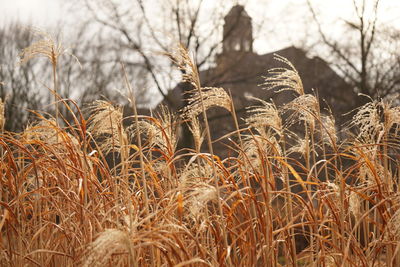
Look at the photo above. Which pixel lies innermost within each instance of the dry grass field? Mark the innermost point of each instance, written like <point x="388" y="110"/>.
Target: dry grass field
<point x="95" y="192"/>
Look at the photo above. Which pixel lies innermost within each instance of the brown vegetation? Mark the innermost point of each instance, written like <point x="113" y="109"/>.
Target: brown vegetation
<point x="96" y="193"/>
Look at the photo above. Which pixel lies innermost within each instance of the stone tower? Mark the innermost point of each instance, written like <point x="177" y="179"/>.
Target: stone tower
<point x="238" y="33"/>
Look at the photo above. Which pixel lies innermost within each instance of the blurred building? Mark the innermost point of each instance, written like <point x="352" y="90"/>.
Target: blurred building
<point x="240" y="71"/>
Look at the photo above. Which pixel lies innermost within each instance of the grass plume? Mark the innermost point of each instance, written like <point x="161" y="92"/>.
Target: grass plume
<point x="99" y="192"/>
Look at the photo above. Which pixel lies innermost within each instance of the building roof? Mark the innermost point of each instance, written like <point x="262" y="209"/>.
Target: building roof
<point x="236" y="11"/>
<point x="242" y="73"/>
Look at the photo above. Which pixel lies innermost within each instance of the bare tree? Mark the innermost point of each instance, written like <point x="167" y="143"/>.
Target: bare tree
<point x="144" y="33"/>
<point x="363" y="54"/>
<point x="19" y="84"/>
<point x="148" y="30"/>
<point x="28" y="86"/>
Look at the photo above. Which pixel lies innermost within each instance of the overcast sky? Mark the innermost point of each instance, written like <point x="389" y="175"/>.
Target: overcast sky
<point x="276" y="23"/>
<point x="41" y="12"/>
<point x="273" y="15"/>
<point x="49" y="11"/>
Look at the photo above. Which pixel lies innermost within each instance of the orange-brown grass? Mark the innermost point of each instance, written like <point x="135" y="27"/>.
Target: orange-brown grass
<point x="97" y="192"/>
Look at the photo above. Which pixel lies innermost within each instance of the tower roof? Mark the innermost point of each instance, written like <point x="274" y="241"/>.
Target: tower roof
<point x="238" y="10"/>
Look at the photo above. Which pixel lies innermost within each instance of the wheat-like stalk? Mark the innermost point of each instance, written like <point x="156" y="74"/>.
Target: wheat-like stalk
<point x="305" y="108"/>
<point x="328" y="130"/>
<point x="161" y="131"/>
<point x="301" y="146"/>
<point x="368" y="122"/>
<point x="50" y="49"/>
<point x="2" y="115"/>
<point x="197" y="133"/>
<point x="168" y="128"/>
<point x="47" y="131"/>
<point x="355" y="202"/>
<point x="256" y="147"/>
<point x="282" y="79"/>
<point x="45" y="47"/>
<point x="107" y="243"/>
<point x="181" y="58"/>
<point x="264" y="116"/>
<point x="392" y="115"/>
<point x="211" y="97"/>
<point x="106" y="121"/>
<point x="64" y="202"/>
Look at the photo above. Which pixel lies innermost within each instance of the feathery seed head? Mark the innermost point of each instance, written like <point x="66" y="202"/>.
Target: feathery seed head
<point x="161" y="132"/>
<point x="302" y="146"/>
<point x="283" y="79"/>
<point x="368" y="153"/>
<point x="105" y="117"/>
<point x="107" y="243"/>
<point x="197" y="133"/>
<point x="195" y="181"/>
<point x="392" y="116"/>
<point x="328" y="133"/>
<point x="48" y="132"/>
<point x="355" y="204"/>
<point x="167" y="134"/>
<point x="46" y="47"/>
<point x="368" y="121"/>
<point x="106" y="121"/>
<point x="199" y="197"/>
<point x="194" y="171"/>
<point x="334" y="190"/>
<point x="393" y="225"/>
<point x="182" y="59"/>
<point x="333" y="186"/>
<point x="256" y="147"/>
<point x="263" y="116"/>
<point x="305" y="108"/>
<point x="210" y="97"/>
<point x="330" y="261"/>
<point x="370" y="174"/>
<point x="148" y="129"/>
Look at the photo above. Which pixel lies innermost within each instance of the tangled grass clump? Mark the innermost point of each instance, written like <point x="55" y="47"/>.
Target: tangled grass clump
<point x="98" y="193"/>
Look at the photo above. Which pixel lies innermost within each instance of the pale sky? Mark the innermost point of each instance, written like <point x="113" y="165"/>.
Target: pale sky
<point x="278" y="15"/>
<point x="276" y="23"/>
<point x="49" y="11"/>
<point x="40" y="12"/>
